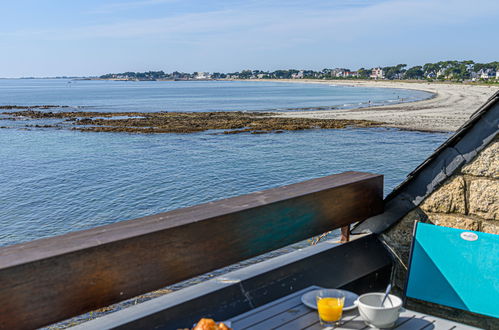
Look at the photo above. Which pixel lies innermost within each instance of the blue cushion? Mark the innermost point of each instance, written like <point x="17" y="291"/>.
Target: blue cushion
<point x="456" y="268"/>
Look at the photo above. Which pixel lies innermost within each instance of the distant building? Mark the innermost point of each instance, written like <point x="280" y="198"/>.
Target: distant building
<point x="487" y="74"/>
<point x="336" y="72"/>
<point x="202" y="75"/>
<point x="377" y="73"/>
<point x="298" y="75"/>
<point x="441" y="73"/>
<point x="348" y="74"/>
<point x="342" y="73"/>
<point x="431" y="75"/>
<point x="497" y="74"/>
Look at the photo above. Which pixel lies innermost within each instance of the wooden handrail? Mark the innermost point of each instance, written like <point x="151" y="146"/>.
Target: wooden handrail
<point x="48" y="280"/>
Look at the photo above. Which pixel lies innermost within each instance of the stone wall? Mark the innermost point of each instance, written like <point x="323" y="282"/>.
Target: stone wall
<point x="467" y="200"/>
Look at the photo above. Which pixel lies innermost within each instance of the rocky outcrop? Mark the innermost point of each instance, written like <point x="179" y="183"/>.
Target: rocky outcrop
<point x="187" y="122"/>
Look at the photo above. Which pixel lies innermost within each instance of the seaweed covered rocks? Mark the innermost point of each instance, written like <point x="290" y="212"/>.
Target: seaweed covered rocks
<point x="188" y="122"/>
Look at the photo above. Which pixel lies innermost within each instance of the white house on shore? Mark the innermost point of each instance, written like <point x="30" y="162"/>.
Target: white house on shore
<point x="487" y="74"/>
<point x="377" y="73"/>
<point x="202" y="75"/>
<point x="298" y="75"/>
<point x="351" y="74"/>
<point x="337" y="72"/>
<point x="441" y="73"/>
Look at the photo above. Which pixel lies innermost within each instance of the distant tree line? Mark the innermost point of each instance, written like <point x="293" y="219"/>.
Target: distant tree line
<point x="443" y="70"/>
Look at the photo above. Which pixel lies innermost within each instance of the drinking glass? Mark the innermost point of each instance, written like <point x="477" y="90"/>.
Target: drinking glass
<point x="330" y="306"/>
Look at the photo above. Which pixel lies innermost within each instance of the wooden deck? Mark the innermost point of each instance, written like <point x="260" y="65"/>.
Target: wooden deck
<point x="289" y="313"/>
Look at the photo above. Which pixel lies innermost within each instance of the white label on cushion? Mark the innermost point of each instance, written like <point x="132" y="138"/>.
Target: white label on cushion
<point x="469" y="236"/>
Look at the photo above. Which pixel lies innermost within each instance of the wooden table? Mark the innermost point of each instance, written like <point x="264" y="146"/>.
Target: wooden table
<point x="290" y="313"/>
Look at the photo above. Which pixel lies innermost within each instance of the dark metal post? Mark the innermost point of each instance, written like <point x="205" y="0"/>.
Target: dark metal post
<point x="345" y="234"/>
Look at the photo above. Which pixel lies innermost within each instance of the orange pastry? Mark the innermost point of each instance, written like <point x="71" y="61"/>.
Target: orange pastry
<point x="209" y="324"/>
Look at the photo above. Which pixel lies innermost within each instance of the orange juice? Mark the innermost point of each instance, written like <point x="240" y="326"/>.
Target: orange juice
<point x="330" y="309"/>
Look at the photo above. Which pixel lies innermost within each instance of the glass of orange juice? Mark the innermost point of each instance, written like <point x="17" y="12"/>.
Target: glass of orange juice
<point x="330" y="306"/>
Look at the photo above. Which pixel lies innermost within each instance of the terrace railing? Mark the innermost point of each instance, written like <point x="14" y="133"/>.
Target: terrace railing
<point x="52" y="279"/>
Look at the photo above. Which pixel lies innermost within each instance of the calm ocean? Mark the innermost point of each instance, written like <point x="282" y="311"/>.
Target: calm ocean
<point x="55" y="181"/>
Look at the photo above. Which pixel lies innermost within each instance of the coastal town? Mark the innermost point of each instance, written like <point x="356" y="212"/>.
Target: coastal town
<point x="455" y="71"/>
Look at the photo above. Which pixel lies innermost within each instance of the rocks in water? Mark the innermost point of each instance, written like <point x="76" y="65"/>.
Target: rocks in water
<point x="188" y="122"/>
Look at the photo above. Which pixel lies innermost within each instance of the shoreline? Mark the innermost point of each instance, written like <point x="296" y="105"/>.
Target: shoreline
<point x="450" y="106"/>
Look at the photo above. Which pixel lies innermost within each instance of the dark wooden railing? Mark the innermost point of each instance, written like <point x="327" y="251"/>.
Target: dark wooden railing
<point x="48" y="280"/>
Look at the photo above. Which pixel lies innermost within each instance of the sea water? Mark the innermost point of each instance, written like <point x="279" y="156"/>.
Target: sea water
<point x="149" y="96"/>
<point x="53" y="181"/>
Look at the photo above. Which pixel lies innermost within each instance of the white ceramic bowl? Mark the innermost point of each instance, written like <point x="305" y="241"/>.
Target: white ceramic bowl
<point x="378" y="316"/>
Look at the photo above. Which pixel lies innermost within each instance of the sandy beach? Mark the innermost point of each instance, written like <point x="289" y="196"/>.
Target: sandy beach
<point x="450" y="107"/>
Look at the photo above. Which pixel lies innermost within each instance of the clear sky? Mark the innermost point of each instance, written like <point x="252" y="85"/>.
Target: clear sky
<point x="93" y="37"/>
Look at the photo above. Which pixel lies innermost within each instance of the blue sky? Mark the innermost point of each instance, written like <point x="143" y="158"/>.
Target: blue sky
<point x="93" y="37"/>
